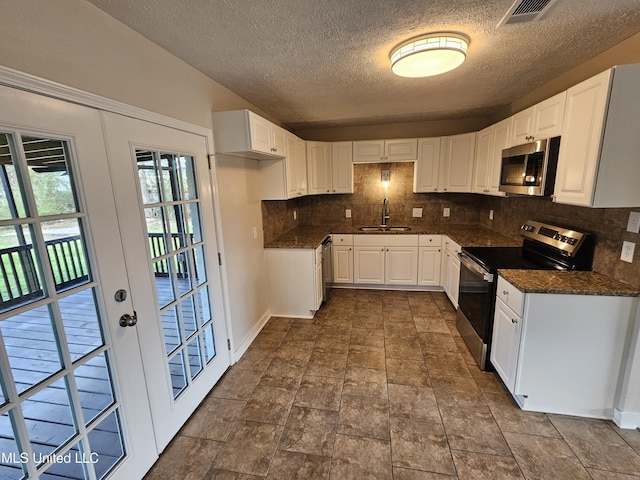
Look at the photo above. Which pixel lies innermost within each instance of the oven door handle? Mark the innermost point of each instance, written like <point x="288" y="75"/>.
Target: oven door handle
<point x="471" y="265"/>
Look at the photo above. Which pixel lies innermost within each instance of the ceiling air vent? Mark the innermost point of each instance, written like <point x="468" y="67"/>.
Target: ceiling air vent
<point x="526" y="11"/>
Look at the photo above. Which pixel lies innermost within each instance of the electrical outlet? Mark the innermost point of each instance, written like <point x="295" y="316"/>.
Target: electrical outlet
<point x="417" y="212"/>
<point x="634" y="222"/>
<point x="295" y="214"/>
<point x="446" y="212"/>
<point x="627" y="251"/>
<point x="490" y="214"/>
<point x="347" y="213"/>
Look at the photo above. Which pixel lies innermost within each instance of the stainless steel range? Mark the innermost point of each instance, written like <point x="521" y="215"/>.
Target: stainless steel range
<point x="544" y="247"/>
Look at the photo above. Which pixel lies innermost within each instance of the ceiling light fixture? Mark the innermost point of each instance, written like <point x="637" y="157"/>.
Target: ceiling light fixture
<point x="430" y="54"/>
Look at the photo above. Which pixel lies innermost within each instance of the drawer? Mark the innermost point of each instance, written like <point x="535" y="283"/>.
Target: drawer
<point x="342" y="239"/>
<point x="510" y="295"/>
<point x="430" y="240"/>
<point x="377" y="240"/>
<point x="452" y="246"/>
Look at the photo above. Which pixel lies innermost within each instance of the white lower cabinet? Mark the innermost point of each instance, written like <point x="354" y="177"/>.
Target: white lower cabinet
<point x="342" y="254"/>
<point x="400" y="266"/>
<point x="506" y="339"/>
<point x="368" y="264"/>
<point x="561" y="353"/>
<point x="295" y="281"/>
<point x="385" y="259"/>
<point x="451" y="270"/>
<point x="429" y="260"/>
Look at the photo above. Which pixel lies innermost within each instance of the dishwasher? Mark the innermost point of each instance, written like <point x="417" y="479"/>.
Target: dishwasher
<point x="327" y="267"/>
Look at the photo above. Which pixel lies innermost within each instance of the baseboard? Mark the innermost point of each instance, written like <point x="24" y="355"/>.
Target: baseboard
<point x="372" y="286"/>
<point x="630" y="420"/>
<point x="250" y="337"/>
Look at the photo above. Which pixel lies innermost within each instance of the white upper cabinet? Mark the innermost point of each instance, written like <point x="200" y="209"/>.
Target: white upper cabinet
<point x="456" y="167"/>
<point x="598" y="161"/>
<point x="488" y="162"/>
<point x="543" y="120"/>
<point x="284" y="178"/>
<point x="501" y="141"/>
<point x="297" y="166"/>
<point x="382" y="151"/>
<point x="444" y="164"/>
<point x="329" y="167"/>
<point x="483" y="159"/>
<point x="319" y="175"/>
<point x="342" y="167"/>
<point x="427" y="166"/>
<point x="245" y="134"/>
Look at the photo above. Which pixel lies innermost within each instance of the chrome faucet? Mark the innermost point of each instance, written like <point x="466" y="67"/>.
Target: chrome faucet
<point x="385" y="212"/>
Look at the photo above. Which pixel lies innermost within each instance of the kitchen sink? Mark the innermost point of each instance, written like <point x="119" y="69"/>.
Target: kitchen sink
<point x="398" y="229"/>
<point x="384" y="228"/>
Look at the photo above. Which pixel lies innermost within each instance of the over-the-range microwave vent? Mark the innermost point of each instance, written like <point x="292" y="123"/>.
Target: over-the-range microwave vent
<point x="526" y="11"/>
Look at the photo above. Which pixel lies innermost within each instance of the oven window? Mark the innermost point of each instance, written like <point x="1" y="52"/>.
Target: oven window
<point x="475" y="300"/>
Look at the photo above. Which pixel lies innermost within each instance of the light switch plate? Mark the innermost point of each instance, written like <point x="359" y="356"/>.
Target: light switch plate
<point x="634" y="222"/>
<point x="627" y="251"/>
<point x="417" y="212"/>
<point x="347" y="213"/>
<point x="295" y="214"/>
<point x="446" y="212"/>
<point x="490" y="214"/>
<point x="254" y="232"/>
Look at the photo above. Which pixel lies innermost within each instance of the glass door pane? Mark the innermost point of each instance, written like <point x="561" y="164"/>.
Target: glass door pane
<point x="58" y="401"/>
<point x="171" y="207"/>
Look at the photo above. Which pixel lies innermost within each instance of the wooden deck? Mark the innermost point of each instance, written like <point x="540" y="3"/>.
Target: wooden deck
<point x="33" y="355"/>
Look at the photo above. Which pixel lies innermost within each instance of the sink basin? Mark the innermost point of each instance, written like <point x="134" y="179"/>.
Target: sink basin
<point x="398" y="229"/>
<point x="384" y="228"/>
<point x="373" y="229"/>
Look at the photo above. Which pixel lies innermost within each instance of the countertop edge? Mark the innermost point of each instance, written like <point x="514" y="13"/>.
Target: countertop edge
<point x="567" y="283"/>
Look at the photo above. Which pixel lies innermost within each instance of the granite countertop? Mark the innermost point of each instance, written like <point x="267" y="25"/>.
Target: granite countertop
<point x="471" y="236"/>
<point x="301" y="237"/>
<point x="566" y="282"/>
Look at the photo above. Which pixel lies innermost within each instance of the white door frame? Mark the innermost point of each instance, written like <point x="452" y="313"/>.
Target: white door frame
<point x="31" y="83"/>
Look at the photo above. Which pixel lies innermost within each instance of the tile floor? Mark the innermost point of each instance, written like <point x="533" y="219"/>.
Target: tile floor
<point x="379" y="385"/>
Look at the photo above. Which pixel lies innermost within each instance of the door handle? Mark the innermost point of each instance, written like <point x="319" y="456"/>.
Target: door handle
<point x="127" y="320"/>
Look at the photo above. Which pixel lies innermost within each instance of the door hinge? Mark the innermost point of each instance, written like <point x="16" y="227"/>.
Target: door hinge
<point x="209" y="160"/>
<point x="219" y="259"/>
<point x="228" y="344"/>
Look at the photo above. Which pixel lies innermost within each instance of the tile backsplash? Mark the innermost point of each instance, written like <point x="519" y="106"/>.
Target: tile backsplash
<point x="607" y="225"/>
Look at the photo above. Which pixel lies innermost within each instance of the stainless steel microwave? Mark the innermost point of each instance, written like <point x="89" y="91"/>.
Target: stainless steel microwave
<point x="530" y="169"/>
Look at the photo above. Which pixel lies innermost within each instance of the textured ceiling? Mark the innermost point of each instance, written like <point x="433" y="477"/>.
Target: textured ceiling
<point x="319" y="63"/>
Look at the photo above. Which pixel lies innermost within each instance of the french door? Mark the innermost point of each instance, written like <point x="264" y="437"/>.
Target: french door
<point x="110" y="312"/>
<point x="165" y="207"/>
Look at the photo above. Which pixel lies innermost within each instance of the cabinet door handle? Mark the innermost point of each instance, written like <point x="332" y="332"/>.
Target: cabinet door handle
<point x="513" y="320"/>
<point x="505" y="292"/>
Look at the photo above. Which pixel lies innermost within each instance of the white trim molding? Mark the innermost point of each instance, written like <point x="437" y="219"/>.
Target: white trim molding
<point x="626" y="420"/>
<point x="250" y="337"/>
<point x="30" y="83"/>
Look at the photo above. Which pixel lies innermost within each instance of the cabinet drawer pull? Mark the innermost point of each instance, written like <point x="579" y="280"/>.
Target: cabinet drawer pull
<point x="513" y="320"/>
<point x="505" y="292"/>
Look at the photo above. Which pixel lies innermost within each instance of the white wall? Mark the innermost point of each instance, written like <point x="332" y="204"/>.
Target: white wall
<point x="76" y="44"/>
<point x="239" y="185"/>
